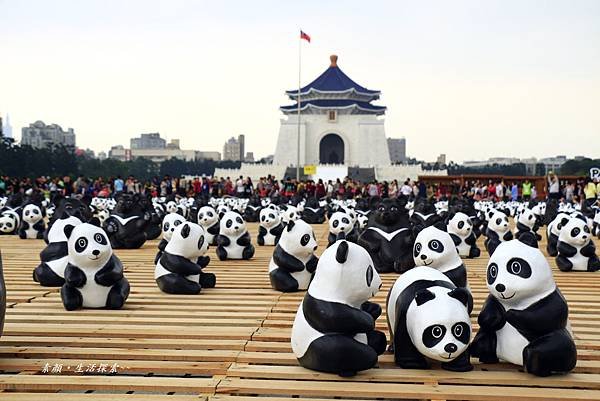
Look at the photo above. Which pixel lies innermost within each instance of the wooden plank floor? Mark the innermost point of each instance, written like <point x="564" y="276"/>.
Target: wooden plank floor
<point x="231" y="343"/>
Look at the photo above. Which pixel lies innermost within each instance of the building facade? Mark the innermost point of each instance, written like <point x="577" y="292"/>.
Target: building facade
<point x="397" y="148"/>
<point x="5" y="127"/>
<point x="148" y="141"/>
<point x="40" y="135"/>
<point x="153" y="147"/>
<point x="234" y="148"/>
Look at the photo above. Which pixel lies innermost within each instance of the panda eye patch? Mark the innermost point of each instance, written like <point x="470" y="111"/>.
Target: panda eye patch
<point x="263" y="218"/>
<point x="519" y="267"/>
<point x="101" y="239"/>
<point x="201" y="242"/>
<point x="229" y="223"/>
<point x="461" y="224"/>
<point x="575" y="232"/>
<point x="239" y="220"/>
<point x="271" y="215"/>
<point x="176" y="223"/>
<point x="498" y="221"/>
<point x="166" y="226"/>
<point x="304" y="240"/>
<point x="492" y="273"/>
<point x="436" y="246"/>
<point x="417" y="249"/>
<point x="27" y="213"/>
<point x="586" y="229"/>
<point x="336" y="223"/>
<point x="210" y="214"/>
<point x="345" y="221"/>
<point x="81" y="244"/>
<point x="369" y="275"/>
<point x="433" y="335"/>
<point x="461" y="332"/>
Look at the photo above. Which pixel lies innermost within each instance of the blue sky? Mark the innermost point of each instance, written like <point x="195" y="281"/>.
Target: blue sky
<point x="471" y="79"/>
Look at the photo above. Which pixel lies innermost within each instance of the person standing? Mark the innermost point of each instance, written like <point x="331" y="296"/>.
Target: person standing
<point x="553" y="186"/>
<point x="514" y="192"/>
<point x="526" y="190"/>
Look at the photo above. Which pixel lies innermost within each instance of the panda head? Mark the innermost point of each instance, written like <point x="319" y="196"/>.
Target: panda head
<point x="389" y="212"/>
<point x="56" y="233"/>
<point x="170" y="223"/>
<point x="298" y="239"/>
<point x="575" y="232"/>
<point x="7" y="223"/>
<point x="171" y="207"/>
<point x="435" y="248"/>
<point x="438" y="322"/>
<point x="340" y="223"/>
<point x="221" y="210"/>
<point x="188" y="240"/>
<point x="499" y="222"/>
<point x="269" y="218"/>
<point x="518" y="274"/>
<point x="350" y="212"/>
<point x="88" y="245"/>
<point x="232" y="225"/>
<point x="291" y="213"/>
<point x="345" y="274"/>
<point x="32" y="213"/>
<point x="460" y="224"/>
<point x="558" y="223"/>
<point x="528" y="218"/>
<point x="207" y="216"/>
<point x="362" y="220"/>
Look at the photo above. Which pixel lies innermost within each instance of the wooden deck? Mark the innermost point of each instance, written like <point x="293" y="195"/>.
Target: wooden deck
<point x="231" y="343"/>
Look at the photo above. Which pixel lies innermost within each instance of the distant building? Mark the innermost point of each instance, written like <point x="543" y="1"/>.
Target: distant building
<point x="148" y="141"/>
<point x="102" y="156"/>
<point x="6" y="128"/>
<point x="441" y="159"/>
<point x="40" y="135"/>
<point x="153" y="147"/>
<point x="550" y="163"/>
<point x="208" y="155"/>
<point x="249" y="158"/>
<point x="397" y="149"/>
<point x="234" y="149"/>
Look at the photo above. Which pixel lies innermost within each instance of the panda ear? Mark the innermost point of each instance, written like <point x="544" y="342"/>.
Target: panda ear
<point x="290" y="225"/>
<point x="185" y="231"/>
<point x="424" y="296"/>
<point x="461" y="294"/>
<point x="68" y="229"/>
<point x="528" y="238"/>
<point x="342" y="252"/>
<point x="562" y="223"/>
<point x="441" y="225"/>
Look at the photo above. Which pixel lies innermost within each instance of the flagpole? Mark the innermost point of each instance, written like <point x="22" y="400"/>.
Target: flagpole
<point x="299" y="87"/>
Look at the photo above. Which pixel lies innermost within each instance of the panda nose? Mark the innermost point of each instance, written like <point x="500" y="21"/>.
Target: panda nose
<point x="423" y="257"/>
<point x="500" y="287"/>
<point x="95" y="252"/>
<point x="450" y="348"/>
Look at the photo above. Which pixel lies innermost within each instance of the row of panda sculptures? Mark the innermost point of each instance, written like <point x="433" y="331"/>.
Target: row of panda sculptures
<point x="524" y="320"/>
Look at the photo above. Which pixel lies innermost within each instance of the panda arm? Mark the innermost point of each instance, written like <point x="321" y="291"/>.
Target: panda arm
<point x="565" y="249"/>
<point x="369" y="240"/>
<point x="162" y="245"/>
<point x="492" y="316"/>
<point x="335" y="317"/>
<point x="54" y="250"/>
<point x="508" y="236"/>
<point x="455" y="238"/>
<point x="276" y="231"/>
<point x="285" y="261"/>
<point x="244" y="240"/>
<point x="203" y="261"/>
<point x="311" y="265"/>
<point x="39" y="226"/>
<point x="214" y="229"/>
<point x="471" y="239"/>
<point x="74" y="276"/>
<point x="372" y="308"/>
<point x="544" y="316"/>
<point x="110" y="273"/>
<point x="178" y="264"/>
<point x="262" y="231"/>
<point x="589" y="250"/>
<point x="222" y="240"/>
<point x="22" y="231"/>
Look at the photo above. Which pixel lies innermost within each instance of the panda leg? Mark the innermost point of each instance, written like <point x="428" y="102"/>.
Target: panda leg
<point x="563" y="263"/>
<point x="221" y="253"/>
<point x="248" y="252"/>
<point x="377" y="340"/>
<point x="118" y="294"/>
<point x="474" y="252"/>
<point x="44" y="275"/>
<point x="461" y="363"/>
<point x="593" y="264"/>
<point x="157" y="257"/>
<point x="207" y="280"/>
<point x="484" y="347"/>
<point x="340" y="354"/>
<point x="173" y="283"/>
<point x="283" y="281"/>
<point x="71" y="297"/>
<point x="551" y="249"/>
<point x="260" y="240"/>
<point x="406" y="354"/>
<point x="40" y="235"/>
<point x="553" y="352"/>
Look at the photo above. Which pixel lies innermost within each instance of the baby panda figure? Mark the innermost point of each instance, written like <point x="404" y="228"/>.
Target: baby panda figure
<point x="169" y="224"/>
<point x="293" y="262"/>
<point x="527" y="222"/>
<point x="498" y="231"/>
<point x="270" y="227"/>
<point x="524" y="320"/>
<point x="94" y="275"/>
<point x="576" y="250"/>
<point x="460" y="228"/>
<point x="428" y="319"/>
<point x="208" y="218"/>
<point x="289" y="213"/>
<point x="341" y="227"/>
<point x="334" y="329"/>
<point x="553" y="232"/>
<point x="179" y="269"/>
<point x="32" y="225"/>
<point x="233" y="241"/>
<point x="9" y="221"/>
<point x="434" y="248"/>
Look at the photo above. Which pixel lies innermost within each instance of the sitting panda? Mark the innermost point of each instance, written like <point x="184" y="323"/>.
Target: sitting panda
<point x="341" y="226"/>
<point x="179" y="269"/>
<point x="126" y="227"/>
<point x="576" y="250"/>
<point x="270" y="227"/>
<point x="498" y="231"/>
<point x="234" y="241"/>
<point x="434" y="248"/>
<point x="312" y="212"/>
<point x="9" y="221"/>
<point x="334" y="328"/>
<point x="208" y="218"/>
<point x="289" y="213"/>
<point x="428" y="318"/>
<point x="524" y="320"/>
<point x="527" y="222"/>
<point x="169" y="224"/>
<point x="424" y="215"/>
<point x="293" y="262"/>
<point x="460" y="228"/>
<point x="252" y="210"/>
<point x="94" y="275"/>
<point x="553" y="231"/>
<point x="32" y="225"/>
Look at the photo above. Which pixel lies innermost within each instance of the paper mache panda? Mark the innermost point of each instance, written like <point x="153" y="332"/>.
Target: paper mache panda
<point x="270" y="227"/>
<point x="312" y="212"/>
<point x="208" y="218"/>
<point x="341" y="227"/>
<point x="334" y="328"/>
<point x="576" y="249"/>
<point x="527" y="222"/>
<point x="179" y="269"/>
<point x="169" y="224"/>
<point x="289" y="213"/>
<point x="252" y="210"/>
<point x="553" y="232"/>
<point x="524" y="320"/>
<point x="428" y="319"/>
<point x="32" y="224"/>
<point x="498" y="231"/>
<point x="293" y="262"/>
<point x="126" y="226"/>
<point x="434" y="248"/>
<point x="94" y="275"/>
<point x="460" y="228"/>
<point x="234" y="241"/>
<point x="9" y="221"/>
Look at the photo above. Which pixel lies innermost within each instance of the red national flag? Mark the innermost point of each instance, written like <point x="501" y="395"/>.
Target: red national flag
<point x="304" y="36"/>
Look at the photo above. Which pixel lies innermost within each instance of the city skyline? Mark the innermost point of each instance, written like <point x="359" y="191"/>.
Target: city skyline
<point x="498" y="78"/>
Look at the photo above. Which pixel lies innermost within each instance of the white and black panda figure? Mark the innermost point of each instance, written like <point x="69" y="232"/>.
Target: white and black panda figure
<point x="497" y="232"/>
<point x="341" y="226"/>
<point x="94" y="275"/>
<point x="169" y="224"/>
<point x="313" y="212"/>
<point x="270" y="227"/>
<point x="9" y="221"/>
<point x="553" y="231"/>
<point x="179" y="269"/>
<point x="54" y="257"/>
<point x="32" y="224"/>
<point x="252" y="210"/>
<point x="428" y="319"/>
<point x="289" y="213"/>
<point x="524" y="320"/>
<point x="234" y="241"/>
<point x="334" y="329"/>
<point x="460" y="228"/>
<point x="576" y="250"/>
<point x="434" y="248"/>
<point x="293" y="262"/>
<point x="208" y="218"/>
<point x="527" y="222"/>
<point x="362" y="221"/>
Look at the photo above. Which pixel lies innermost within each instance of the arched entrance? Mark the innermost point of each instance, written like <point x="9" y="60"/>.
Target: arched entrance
<point x="331" y="149"/>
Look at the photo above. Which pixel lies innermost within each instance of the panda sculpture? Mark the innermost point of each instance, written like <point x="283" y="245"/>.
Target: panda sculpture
<point x="434" y="248"/>
<point x="312" y="212"/>
<point x="270" y="227"/>
<point x="524" y="320"/>
<point x="341" y="226"/>
<point x="9" y="221"/>
<point x="32" y="225"/>
<point x="293" y="262"/>
<point x="252" y="210"/>
<point x="179" y="269"/>
<point x="527" y="222"/>
<point x="460" y="228"/>
<point x="233" y="241"/>
<point x="334" y="328"/>
<point x="498" y="231"/>
<point x="576" y="250"/>
<point x="94" y="275"/>
<point x="126" y="226"/>
<point x="428" y="319"/>
<point x="553" y="232"/>
<point x="208" y="218"/>
<point x="169" y="224"/>
<point x="424" y="215"/>
<point x="289" y="213"/>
